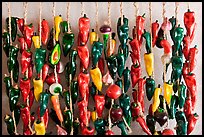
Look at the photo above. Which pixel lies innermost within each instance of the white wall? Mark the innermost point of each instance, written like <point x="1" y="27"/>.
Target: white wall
<point x="129" y="11"/>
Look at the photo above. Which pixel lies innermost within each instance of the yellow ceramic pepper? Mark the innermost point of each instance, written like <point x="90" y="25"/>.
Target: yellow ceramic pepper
<point x="156" y="133"/>
<point x="149" y="63"/>
<point x="156" y="100"/>
<point x="111" y="48"/>
<point x="93" y="115"/>
<point x="168" y="89"/>
<point x="36" y="41"/>
<point x="58" y="20"/>
<point x="38" y="88"/>
<point x="96" y="78"/>
<point x="93" y="36"/>
<point x="39" y="127"/>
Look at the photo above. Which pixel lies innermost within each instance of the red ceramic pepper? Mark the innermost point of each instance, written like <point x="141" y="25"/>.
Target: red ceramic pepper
<point x="143" y="124"/>
<point x="155" y="28"/>
<point x="135" y="109"/>
<point x="166" y="45"/>
<point x="192" y="57"/>
<point x="50" y="79"/>
<point x="100" y="103"/>
<point x="45" y="30"/>
<point x="25" y="88"/>
<point x="28" y="33"/>
<point x="150" y="110"/>
<point x="187" y="107"/>
<point x="190" y="81"/>
<point x="135" y="74"/>
<point x="192" y="119"/>
<point x="185" y="69"/>
<point x="84" y="26"/>
<point x="109" y="132"/>
<point x="140" y="97"/>
<point x="167" y="132"/>
<point x="25" y="60"/>
<point x="25" y="115"/>
<point x="190" y="24"/>
<point x="101" y="65"/>
<point x="134" y="95"/>
<point x="82" y="105"/>
<point x="186" y="48"/>
<point x="30" y="70"/>
<point x="45" y="70"/>
<point x="135" y="53"/>
<point x="31" y="97"/>
<point x="45" y="117"/>
<point x="83" y="81"/>
<point x="83" y="53"/>
<point x="140" y="24"/>
<point x="27" y="130"/>
<point x="87" y="131"/>
<point x="23" y="44"/>
<point x="20" y="23"/>
<point x="113" y="91"/>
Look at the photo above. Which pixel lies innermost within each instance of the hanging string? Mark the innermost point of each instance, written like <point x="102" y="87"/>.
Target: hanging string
<point x="136" y="14"/>
<point x="54" y="5"/>
<point x="25" y="11"/>
<point x="82" y="8"/>
<point x="164" y="10"/>
<point x="188" y="5"/>
<point x="176" y="12"/>
<point x="40" y="21"/>
<point x="121" y="12"/>
<point x="109" y="13"/>
<point x="68" y="8"/>
<point x="150" y="21"/>
<point x="96" y="15"/>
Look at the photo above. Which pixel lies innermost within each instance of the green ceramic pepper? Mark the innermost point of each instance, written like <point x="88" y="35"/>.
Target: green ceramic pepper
<point x="13" y="27"/>
<point x="66" y="96"/>
<point x="181" y="128"/>
<point x="17" y="113"/>
<point x="112" y="65"/>
<point x="67" y="120"/>
<point x="55" y="54"/>
<point x="173" y="23"/>
<point x="122" y="127"/>
<point x="150" y="87"/>
<point x="74" y="91"/>
<point x="124" y="100"/>
<point x="100" y="126"/>
<point x="67" y="43"/>
<point x="181" y="95"/>
<point x="10" y="124"/>
<point x="43" y="102"/>
<point x="151" y="122"/>
<point x="93" y="90"/>
<point x="14" y="97"/>
<point x="178" y="35"/>
<point x="76" y="124"/>
<point x="119" y="83"/>
<point x="147" y="37"/>
<point x="54" y="117"/>
<point x="13" y="55"/>
<point x="70" y="67"/>
<point x="173" y="106"/>
<point x="124" y="50"/>
<point x="122" y="31"/>
<point x="96" y="52"/>
<point x="177" y="65"/>
<point x="6" y="43"/>
<point x="64" y="26"/>
<point x="16" y="72"/>
<point x="121" y="64"/>
<point x="126" y="77"/>
<point x="40" y="56"/>
<point x="7" y="81"/>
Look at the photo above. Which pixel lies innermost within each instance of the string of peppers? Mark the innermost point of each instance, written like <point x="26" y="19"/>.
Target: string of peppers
<point x="179" y="105"/>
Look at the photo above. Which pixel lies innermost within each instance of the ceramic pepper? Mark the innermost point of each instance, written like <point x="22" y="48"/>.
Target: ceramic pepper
<point x="96" y="52"/>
